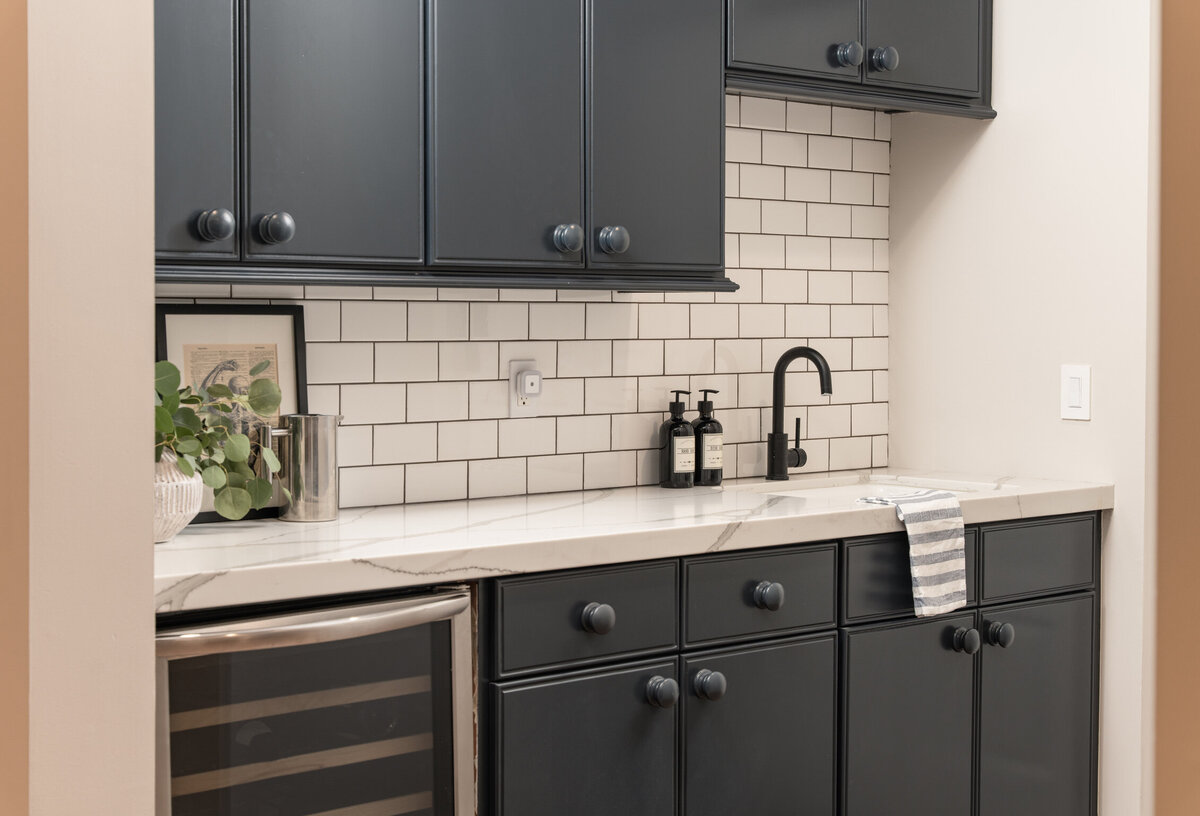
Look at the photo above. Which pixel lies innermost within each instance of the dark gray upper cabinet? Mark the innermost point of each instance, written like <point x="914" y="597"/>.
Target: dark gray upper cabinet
<point x="333" y="130"/>
<point x="787" y="37"/>
<point x="936" y="41"/>
<point x="655" y="122"/>
<point x="506" y="148"/>
<point x="195" y="133"/>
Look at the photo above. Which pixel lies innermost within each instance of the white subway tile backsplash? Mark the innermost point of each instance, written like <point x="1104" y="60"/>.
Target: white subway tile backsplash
<point x="872" y="157"/>
<point x="851" y="188"/>
<point x="761" y="181"/>
<point x="405" y="293"/>
<point x="495" y="477"/>
<point x="714" y="320"/>
<point x="561" y="397"/>
<point x="499" y="321"/>
<point x="400" y="444"/>
<point x="806" y="184"/>
<point x="883" y="126"/>
<point x="882" y="186"/>
<point x="661" y="320"/>
<point x="611" y="395"/>
<point x="340" y="362"/>
<point x="743" y="145"/>
<point x="784" y="286"/>
<point x="439" y="321"/>
<point x="468" y="294"/>
<point x="554" y="474"/>
<point x="808" y="320"/>
<point x="761" y="319"/>
<point x="881" y="256"/>
<point x="322" y="320"/>
<point x="373" y="404"/>
<point x="406" y="362"/>
<point x="805" y="118"/>
<point x="853" y="387"/>
<point x="851" y="321"/>
<point x="632" y="358"/>
<point x="762" y="251"/>
<point x="732" y="109"/>
<point x="857" y="123"/>
<point x="879" y="321"/>
<point x="784" y="217"/>
<point x="828" y="421"/>
<point x="577" y="434"/>
<point x="609" y="469"/>
<point x="370" y="486"/>
<point x="468" y="361"/>
<point x="870" y="222"/>
<point x="443" y="481"/>
<point x="608" y="321"/>
<point x="733" y="177"/>
<point x="585" y="358"/>
<point x="732" y="356"/>
<point x="765" y="114"/>
<point x="807" y="252"/>
<point x="488" y="399"/>
<point x="354" y="445"/>
<point x="830" y="286"/>
<point x="837" y="350"/>
<point x="337" y="293"/>
<point x="584" y="296"/>
<point x="556" y="321"/>
<point x="324" y="399"/>
<point x="850" y="253"/>
<point x="689" y="357"/>
<point x="437" y="401"/>
<point x="749" y="283"/>
<point x="787" y="149"/>
<point x="829" y="219"/>
<point x="543" y="352"/>
<point x="879" y="451"/>
<point x="830" y="152"/>
<point x="630" y="431"/>
<point x="870" y="352"/>
<point x="850" y="453"/>
<point x="879" y="381"/>
<point x="374" y="320"/>
<point x="466" y="440"/>
<point x="869" y="419"/>
<point x="527" y="437"/>
<point x="754" y="390"/>
<point x="743" y="214"/>
<point x="870" y="287"/>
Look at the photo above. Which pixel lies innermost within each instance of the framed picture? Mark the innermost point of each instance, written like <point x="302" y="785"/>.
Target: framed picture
<point x="213" y="344"/>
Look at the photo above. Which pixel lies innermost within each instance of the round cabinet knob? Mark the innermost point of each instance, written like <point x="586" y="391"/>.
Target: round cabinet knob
<point x="709" y="685"/>
<point x="769" y="595"/>
<point x="277" y="228"/>
<point x="215" y="225"/>
<point x="1001" y="634"/>
<point x="662" y="692"/>
<point x="850" y="55"/>
<point x="886" y="58"/>
<point x="568" y="237"/>
<point x="966" y="640"/>
<point x="614" y="240"/>
<point x="598" y="618"/>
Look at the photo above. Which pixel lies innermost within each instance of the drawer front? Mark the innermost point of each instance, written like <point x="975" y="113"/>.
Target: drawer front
<point x="1032" y="557"/>
<point x="542" y="620"/>
<point x="721" y="593"/>
<point x="878" y="577"/>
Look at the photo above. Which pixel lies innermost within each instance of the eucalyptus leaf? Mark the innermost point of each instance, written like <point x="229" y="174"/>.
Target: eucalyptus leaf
<point x="185" y="467"/>
<point x="237" y="447"/>
<point x="264" y="397"/>
<point x="217" y="456"/>
<point x="241" y="467"/>
<point x="220" y="391"/>
<point x="162" y="421"/>
<point x="232" y="502"/>
<point x="271" y="459"/>
<point x="166" y="378"/>
<point x="187" y="418"/>
<point x="214" y="477"/>
<point x="235" y="479"/>
<point x="260" y="491"/>
<point x="260" y="368"/>
<point x="171" y="402"/>
<point x="188" y="445"/>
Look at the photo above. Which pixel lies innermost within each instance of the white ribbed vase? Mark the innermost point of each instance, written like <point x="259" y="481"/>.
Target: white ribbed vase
<point x="176" y="498"/>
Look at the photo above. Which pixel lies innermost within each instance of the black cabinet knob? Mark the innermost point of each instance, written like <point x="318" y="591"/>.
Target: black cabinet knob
<point x="215" y="225"/>
<point x="598" y="618"/>
<point x="277" y="228"/>
<point x="614" y="240"/>
<point x="886" y="58"/>
<point x="849" y="55"/>
<point x="709" y="685"/>
<point x="966" y="640"/>
<point x="1001" y="634"/>
<point x="769" y="595"/>
<point x="662" y="692"/>
<point x="568" y="237"/>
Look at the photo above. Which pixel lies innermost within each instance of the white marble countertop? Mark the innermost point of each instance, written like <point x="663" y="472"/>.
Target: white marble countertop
<point x="211" y="565"/>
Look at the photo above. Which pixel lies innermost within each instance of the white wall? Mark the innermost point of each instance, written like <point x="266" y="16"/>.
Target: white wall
<point x="91" y="198"/>
<point x="1021" y="244"/>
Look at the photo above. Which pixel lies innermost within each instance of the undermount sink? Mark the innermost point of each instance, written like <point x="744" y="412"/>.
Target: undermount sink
<point x="859" y="485"/>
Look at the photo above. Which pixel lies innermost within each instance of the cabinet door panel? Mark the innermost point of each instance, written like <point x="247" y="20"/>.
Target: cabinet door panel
<point x="783" y="36"/>
<point x="507" y="137"/>
<point x="586" y="745"/>
<point x="655" y="125"/>
<point x="938" y="41"/>
<point x="194" y="123"/>
<point x="334" y="127"/>
<point x="768" y="745"/>
<point x="908" y="720"/>
<point x="1036" y="707"/>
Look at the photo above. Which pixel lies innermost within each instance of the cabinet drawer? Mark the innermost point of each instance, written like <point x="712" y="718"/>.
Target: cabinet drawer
<point x="723" y="601"/>
<point x="877" y="576"/>
<point x="1031" y="557"/>
<point x="542" y="621"/>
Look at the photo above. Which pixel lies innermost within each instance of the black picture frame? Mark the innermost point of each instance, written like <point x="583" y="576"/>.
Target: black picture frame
<point x="222" y="312"/>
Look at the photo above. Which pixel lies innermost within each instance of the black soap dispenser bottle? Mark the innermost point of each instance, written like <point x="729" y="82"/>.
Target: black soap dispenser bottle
<point x="710" y="443"/>
<point x="677" y="451"/>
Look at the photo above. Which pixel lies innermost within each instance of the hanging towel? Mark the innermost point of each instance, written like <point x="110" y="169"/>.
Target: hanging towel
<point x="936" y="548"/>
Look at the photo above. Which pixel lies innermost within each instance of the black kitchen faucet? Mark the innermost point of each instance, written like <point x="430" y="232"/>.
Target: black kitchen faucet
<point x="779" y="458"/>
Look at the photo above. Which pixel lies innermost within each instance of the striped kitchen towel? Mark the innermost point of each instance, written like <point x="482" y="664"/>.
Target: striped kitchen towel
<point x="936" y="549"/>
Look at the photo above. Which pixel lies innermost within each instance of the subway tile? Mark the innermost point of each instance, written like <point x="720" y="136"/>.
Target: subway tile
<point x="869" y="419"/>
<point x="495" y="477"/>
<point x="688" y="357"/>
<point x="850" y="253"/>
<point x="322" y="320"/>
<point x="851" y="321"/>
<point x="870" y="352"/>
<point x="611" y="395"/>
<point x="784" y="217"/>
<point x="561" y="397"/>
<point x="733" y="176"/>
<point x="354" y="446"/>
<point x="879" y="321"/>
<point x="577" y="434"/>
<point x="742" y="215"/>
<point x="468" y="361"/>
<point x="761" y="251"/>
<point x="784" y="286"/>
<point x="828" y="421"/>
<point x="467" y="440"/>
<point x="543" y="352"/>
<point x="714" y="320"/>
<point x="632" y="431"/>
<point x="373" y="404"/>
<point x="339" y="362"/>
<point x="609" y="469"/>
<point x="790" y="414"/>
<point x="754" y="390"/>
<point x="526" y="437"/>
<point x="742" y="145"/>
<point x="499" y="321"/>
<point x="689" y="297"/>
<point x="806" y="184"/>
<point x="660" y="320"/>
<point x="870" y="287"/>
<point x="529" y="295"/>
<point x="442" y="481"/>
<point x="818" y="456"/>
<point x="437" y="401"/>
<point x="439" y="321"/>
<point x="324" y="399"/>
<point x="836" y="350"/>
<point x="467" y="293"/>
<point x="870" y="222"/>
<point x="374" y="320"/>
<point x="883" y="126"/>
<point x="337" y="292"/>
<point x="853" y="386"/>
<point x="850" y="453"/>
<point x="732" y="253"/>
<point x="556" y="321"/>
<point x="725" y="384"/>
<point x="806" y="252"/>
<point x="405" y="293"/>
<point x="638" y="297"/>
<point x="761" y="181"/>
<point x="751" y="460"/>
<point x="851" y="122"/>
<point x="608" y="321"/>
<point x="406" y="362"/>
<point x="881" y="256"/>
<point x="749" y="283"/>
<point x="761" y="319"/>
<point x="871" y="157"/>
<point x="734" y="356"/>
<point x="647" y="467"/>
<point x="554" y="474"/>
<point x="765" y="114"/>
<point x="400" y="444"/>
<point x="788" y="149"/>
<point x="740" y="424"/>
<point x="879" y="380"/>
<point x="584" y="295"/>
<point x="829" y="219"/>
<point x="805" y="118"/>
<point x="851" y="188"/>
<point x="585" y="358"/>
<point x="371" y="486"/>
<point x="879" y="451"/>
<point x="191" y="290"/>
<point x="830" y="152"/>
<point x="830" y="287"/>
<point x="732" y="109"/>
<point x="637" y="358"/>
<point x="807" y="320"/>
<point x="655" y="393"/>
<point x="882" y="187"/>
<point x="488" y="399"/>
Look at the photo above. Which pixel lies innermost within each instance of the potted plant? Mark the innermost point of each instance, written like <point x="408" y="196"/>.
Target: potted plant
<point x="198" y="442"/>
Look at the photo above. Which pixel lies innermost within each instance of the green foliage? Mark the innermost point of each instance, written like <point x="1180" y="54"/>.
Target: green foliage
<point x="198" y="428"/>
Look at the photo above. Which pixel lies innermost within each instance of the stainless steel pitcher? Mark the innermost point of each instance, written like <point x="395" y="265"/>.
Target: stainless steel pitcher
<point x="308" y="455"/>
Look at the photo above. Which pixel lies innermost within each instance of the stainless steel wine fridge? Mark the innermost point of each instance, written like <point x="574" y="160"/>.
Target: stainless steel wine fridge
<point x="363" y="710"/>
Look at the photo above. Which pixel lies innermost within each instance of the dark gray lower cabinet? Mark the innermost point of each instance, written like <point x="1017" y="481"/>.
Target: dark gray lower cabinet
<point x="908" y="703"/>
<point x="587" y="744"/>
<point x="765" y="745"/>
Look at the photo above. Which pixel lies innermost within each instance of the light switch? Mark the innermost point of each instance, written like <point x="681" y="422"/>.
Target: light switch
<point x="1076" y="398"/>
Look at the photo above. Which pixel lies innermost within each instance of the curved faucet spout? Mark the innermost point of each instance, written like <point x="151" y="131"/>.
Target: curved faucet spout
<point x="779" y="457"/>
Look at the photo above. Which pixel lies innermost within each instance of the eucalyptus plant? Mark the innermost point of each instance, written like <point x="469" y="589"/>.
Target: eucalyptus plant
<point x="199" y="427"/>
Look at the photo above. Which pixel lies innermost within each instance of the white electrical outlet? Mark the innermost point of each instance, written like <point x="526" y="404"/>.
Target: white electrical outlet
<point x="1076" y="392"/>
<point x="524" y="388"/>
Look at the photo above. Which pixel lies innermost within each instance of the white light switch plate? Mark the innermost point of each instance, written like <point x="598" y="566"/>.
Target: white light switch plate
<point x="1076" y="397"/>
<point x="519" y="406"/>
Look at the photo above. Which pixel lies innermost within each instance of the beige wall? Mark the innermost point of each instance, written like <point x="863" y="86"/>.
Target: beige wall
<point x="1023" y="244"/>
<point x="91" y="673"/>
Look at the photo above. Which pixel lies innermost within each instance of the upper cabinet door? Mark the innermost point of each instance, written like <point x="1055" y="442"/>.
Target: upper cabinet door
<point x="924" y="45"/>
<point x="787" y="37"/>
<point x="506" y="152"/>
<point x="334" y="130"/>
<point x="196" y="201"/>
<point x="655" y="125"/>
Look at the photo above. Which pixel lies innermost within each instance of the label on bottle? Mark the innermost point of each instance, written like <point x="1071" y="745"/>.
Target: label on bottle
<point x="684" y="450"/>
<point x="713" y="454"/>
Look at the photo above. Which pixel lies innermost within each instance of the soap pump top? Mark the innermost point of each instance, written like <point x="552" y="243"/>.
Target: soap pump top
<point x="706" y="406"/>
<point x="677" y="407"/>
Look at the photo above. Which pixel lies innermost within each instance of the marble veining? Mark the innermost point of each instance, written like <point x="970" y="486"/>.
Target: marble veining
<point x="444" y="542"/>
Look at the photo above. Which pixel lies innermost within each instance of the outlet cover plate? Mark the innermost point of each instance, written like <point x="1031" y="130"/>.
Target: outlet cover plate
<point x="518" y="406"/>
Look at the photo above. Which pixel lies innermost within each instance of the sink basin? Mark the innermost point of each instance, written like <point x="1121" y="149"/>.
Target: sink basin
<point x="858" y="485"/>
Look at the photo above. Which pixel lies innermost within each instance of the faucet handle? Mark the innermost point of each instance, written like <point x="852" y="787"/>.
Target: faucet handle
<point x="796" y="457"/>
